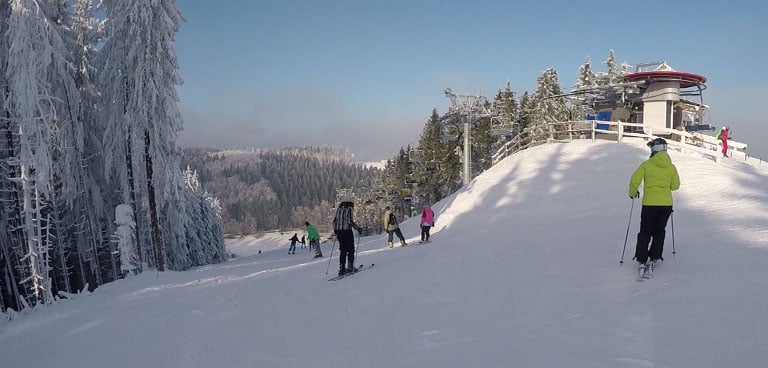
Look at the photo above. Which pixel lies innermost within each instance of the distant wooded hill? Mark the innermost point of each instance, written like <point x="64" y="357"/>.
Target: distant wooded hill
<point x="268" y="189"/>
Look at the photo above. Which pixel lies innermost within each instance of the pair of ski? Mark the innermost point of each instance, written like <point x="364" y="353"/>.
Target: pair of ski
<point x="357" y="269"/>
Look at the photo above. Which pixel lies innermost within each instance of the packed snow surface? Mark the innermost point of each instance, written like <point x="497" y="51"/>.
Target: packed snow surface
<point x="523" y="271"/>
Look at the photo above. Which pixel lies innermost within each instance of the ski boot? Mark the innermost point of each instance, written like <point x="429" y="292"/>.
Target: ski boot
<point x="642" y="269"/>
<point x="651" y="265"/>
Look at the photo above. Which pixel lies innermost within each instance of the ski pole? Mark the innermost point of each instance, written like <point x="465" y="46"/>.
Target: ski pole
<point x="330" y="255"/>
<point x="631" y="209"/>
<point x="357" y="246"/>
<point x="673" y="235"/>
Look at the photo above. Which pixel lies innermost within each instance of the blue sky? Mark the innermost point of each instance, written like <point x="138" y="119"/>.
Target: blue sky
<point x="367" y="74"/>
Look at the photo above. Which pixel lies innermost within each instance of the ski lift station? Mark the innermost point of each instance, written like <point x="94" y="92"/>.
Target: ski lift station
<point x="644" y="100"/>
<point x="657" y="98"/>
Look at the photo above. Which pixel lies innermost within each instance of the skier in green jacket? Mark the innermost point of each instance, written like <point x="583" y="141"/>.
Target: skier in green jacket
<point x="661" y="178"/>
<point x="314" y="239"/>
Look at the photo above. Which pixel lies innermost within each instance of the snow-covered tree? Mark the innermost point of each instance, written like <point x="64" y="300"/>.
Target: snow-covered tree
<point x="202" y="227"/>
<point x="585" y="78"/>
<point x="482" y="144"/>
<point x="432" y="150"/>
<point x="92" y="193"/>
<point x="125" y="239"/>
<point x="449" y="176"/>
<point x="54" y="171"/>
<point x="507" y="107"/>
<point x="139" y="76"/>
<point x="397" y="173"/>
<point x="41" y="99"/>
<point x="12" y="241"/>
<point x="549" y="102"/>
<point x="527" y="109"/>
<point x="613" y="68"/>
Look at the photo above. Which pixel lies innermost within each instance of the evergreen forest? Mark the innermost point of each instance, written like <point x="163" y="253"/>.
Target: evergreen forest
<point x="278" y="189"/>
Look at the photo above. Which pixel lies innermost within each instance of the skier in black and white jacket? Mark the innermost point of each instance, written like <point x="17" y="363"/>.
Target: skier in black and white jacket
<point x="342" y="227"/>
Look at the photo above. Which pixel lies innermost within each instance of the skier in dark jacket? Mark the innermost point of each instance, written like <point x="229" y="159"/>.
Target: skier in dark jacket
<point x="292" y="248"/>
<point x="342" y="227"/>
<point x="660" y="179"/>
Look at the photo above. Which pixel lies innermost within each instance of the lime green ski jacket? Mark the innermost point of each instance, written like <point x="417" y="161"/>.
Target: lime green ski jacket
<point x="312" y="233"/>
<point x="660" y="177"/>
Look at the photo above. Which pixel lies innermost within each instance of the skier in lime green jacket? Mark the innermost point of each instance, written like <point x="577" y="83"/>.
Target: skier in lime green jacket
<point x="314" y="239"/>
<point x="661" y="178"/>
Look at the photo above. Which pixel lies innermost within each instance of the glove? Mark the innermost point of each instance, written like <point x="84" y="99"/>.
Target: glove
<point x="637" y="195"/>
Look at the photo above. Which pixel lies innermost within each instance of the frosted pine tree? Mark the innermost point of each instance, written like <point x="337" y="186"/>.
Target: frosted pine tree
<point x="432" y="150"/>
<point x="483" y="145"/>
<point x="449" y="175"/>
<point x="33" y="57"/>
<point x="613" y="68"/>
<point x="507" y="108"/>
<point x="125" y="240"/>
<point x="140" y="77"/>
<point x="12" y="243"/>
<point x="586" y="77"/>
<point x="91" y="189"/>
<point x="525" y="115"/>
<point x="550" y="104"/>
<point x="203" y="225"/>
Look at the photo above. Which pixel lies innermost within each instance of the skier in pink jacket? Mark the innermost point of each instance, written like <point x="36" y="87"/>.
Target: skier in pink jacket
<point x="427" y="221"/>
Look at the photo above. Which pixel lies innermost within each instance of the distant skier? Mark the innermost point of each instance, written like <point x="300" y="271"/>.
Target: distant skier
<point x="342" y="227"/>
<point x="314" y="239"/>
<point x="427" y="221"/>
<point x="392" y="227"/>
<point x="292" y="248"/>
<point x="661" y="178"/>
<point x="723" y="137"/>
<point x="303" y="242"/>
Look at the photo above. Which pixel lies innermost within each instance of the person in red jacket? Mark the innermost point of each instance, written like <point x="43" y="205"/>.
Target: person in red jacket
<point x="724" y="133"/>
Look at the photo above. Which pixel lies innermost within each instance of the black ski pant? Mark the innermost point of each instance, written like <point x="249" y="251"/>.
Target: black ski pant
<point x="346" y="247"/>
<point x="653" y="223"/>
<point x="425" y="232"/>
<point x="397" y="232"/>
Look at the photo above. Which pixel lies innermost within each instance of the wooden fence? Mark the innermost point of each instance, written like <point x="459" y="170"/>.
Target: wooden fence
<point x="616" y="131"/>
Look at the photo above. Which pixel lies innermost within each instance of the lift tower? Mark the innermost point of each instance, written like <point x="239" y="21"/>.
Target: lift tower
<point x="470" y="108"/>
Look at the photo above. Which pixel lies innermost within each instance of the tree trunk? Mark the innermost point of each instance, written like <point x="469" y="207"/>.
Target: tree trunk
<point x="132" y="196"/>
<point x="156" y="239"/>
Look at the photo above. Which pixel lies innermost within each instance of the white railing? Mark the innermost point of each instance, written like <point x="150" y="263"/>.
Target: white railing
<point x="588" y="129"/>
